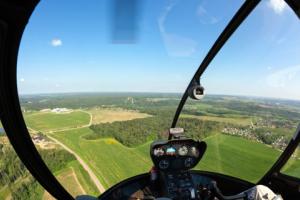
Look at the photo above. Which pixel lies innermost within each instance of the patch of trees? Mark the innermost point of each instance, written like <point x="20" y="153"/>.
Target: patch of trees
<point x="269" y="136"/>
<point x="56" y="159"/>
<point x="276" y="137"/>
<point x="15" y="176"/>
<point x="218" y="106"/>
<point x="139" y="131"/>
<point x="11" y="168"/>
<point x="253" y="109"/>
<point x="29" y="190"/>
<point x="198" y="129"/>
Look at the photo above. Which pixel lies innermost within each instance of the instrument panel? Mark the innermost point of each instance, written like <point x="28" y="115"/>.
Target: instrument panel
<point x="182" y="154"/>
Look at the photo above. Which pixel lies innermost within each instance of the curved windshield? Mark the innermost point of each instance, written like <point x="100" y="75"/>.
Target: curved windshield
<point x="97" y="85"/>
<point x="251" y="108"/>
<point x="95" y="97"/>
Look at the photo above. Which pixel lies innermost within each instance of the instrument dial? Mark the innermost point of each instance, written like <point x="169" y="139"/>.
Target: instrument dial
<point x="158" y="152"/>
<point x="163" y="164"/>
<point x="189" y="162"/>
<point x="182" y="151"/>
<point x="194" y="151"/>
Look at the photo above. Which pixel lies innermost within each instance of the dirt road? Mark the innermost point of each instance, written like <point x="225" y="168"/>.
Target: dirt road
<point x="82" y="162"/>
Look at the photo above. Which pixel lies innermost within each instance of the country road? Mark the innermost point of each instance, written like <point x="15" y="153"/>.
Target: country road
<point x="82" y="162"/>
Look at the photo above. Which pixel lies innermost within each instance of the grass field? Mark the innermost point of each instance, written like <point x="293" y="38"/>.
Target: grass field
<point x="84" y="179"/>
<point x="292" y="167"/>
<point x="76" y="181"/>
<point x="231" y="120"/>
<point x="52" y="121"/>
<point x="5" y="193"/>
<point x="100" y="115"/>
<point x="113" y="162"/>
<point x="110" y="160"/>
<point x="69" y="180"/>
<point x="238" y="157"/>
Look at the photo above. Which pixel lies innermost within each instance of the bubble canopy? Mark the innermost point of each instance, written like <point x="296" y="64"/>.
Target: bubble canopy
<point x="28" y="81"/>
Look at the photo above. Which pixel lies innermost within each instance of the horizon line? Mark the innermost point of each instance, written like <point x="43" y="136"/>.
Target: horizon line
<point x="148" y="92"/>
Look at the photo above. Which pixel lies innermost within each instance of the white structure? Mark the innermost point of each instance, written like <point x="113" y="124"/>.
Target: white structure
<point x="60" y="110"/>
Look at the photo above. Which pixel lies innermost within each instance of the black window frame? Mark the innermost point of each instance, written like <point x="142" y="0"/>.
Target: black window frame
<point x="14" y="15"/>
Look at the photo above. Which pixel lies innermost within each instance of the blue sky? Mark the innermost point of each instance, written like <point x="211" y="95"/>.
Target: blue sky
<point x="67" y="47"/>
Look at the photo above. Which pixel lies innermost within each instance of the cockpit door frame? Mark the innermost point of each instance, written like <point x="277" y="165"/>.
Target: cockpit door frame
<point x="14" y="15"/>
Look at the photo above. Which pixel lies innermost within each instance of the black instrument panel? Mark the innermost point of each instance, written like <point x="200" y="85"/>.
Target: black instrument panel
<point x="181" y="154"/>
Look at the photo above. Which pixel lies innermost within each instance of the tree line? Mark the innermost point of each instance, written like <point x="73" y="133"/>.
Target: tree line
<point x="139" y="131"/>
<point x="15" y="176"/>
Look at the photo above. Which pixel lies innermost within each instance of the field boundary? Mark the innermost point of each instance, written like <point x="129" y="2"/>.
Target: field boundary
<point x="94" y="178"/>
<point x="77" y="181"/>
<point x="92" y="175"/>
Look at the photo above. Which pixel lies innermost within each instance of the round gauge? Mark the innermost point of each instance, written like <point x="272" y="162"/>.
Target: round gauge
<point x="194" y="151"/>
<point x="183" y="151"/>
<point x="171" y="151"/>
<point x="158" y="152"/>
<point x="188" y="162"/>
<point x="163" y="164"/>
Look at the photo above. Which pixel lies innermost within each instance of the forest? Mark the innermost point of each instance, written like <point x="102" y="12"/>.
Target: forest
<point x="139" y="131"/>
<point x="17" y="180"/>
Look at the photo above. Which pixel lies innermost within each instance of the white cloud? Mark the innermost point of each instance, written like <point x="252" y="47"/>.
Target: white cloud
<point x="56" y="42"/>
<point x="176" y="45"/>
<point x="57" y="85"/>
<point x="277" y="5"/>
<point x="22" y="79"/>
<point x="280" y="78"/>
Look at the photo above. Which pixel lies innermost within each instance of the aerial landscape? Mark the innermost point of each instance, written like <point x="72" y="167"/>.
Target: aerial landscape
<point x="93" y="104"/>
<point x="92" y="141"/>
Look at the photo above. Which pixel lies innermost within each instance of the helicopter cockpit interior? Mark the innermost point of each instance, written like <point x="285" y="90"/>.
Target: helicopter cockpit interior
<point x="187" y="159"/>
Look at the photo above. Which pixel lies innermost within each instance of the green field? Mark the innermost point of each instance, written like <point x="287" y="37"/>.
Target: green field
<point x="52" y="121"/>
<point x="83" y="178"/>
<point x="110" y="160"/>
<point x="231" y="120"/>
<point x="238" y="157"/>
<point x="292" y="167"/>
<point x="76" y="181"/>
<point x="4" y="192"/>
<point x="113" y="162"/>
<point x="69" y="180"/>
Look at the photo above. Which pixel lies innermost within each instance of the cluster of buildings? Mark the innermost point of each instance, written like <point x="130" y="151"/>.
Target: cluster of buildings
<point x="273" y="123"/>
<point x="245" y="133"/>
<point x="42" y="141"/>
<point x="279" y="143"/>
<point x="57" y="110"/>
